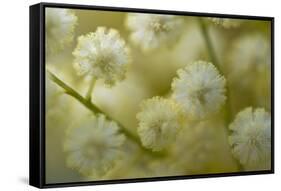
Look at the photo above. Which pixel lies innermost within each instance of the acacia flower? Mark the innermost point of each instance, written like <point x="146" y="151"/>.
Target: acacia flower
<point x="226" y="23"/>
<point x="94" y="146"/>
<point x="159" y="123"/>
<point x="102" y="55"/>
<point x="151" y="31"/>
<point x="251" y="138"/>
<point x="199" y="89"/>
<point x="60" y="24"/>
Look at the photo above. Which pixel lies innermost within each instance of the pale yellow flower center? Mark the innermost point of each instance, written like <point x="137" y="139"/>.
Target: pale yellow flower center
<point x="104" y="61"/>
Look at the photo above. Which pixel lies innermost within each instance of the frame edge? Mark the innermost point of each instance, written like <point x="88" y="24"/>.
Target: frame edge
<point x="35" y="128"/>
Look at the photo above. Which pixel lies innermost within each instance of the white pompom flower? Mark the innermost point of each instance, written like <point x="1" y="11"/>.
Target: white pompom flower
<point x="102" y="55"/>
<point x="93" y="147"/>
<point x="60" y="25"/>
<point x="199" y="89"/>
<point x="151" y="31"/>
<point x="251" y="138"/>
<point x="159" y="122"/>
<point x="226" y="22"/>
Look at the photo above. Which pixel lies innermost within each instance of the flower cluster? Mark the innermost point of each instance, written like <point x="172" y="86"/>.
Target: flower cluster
<point x="151" y="31"/>
<point x="102" y="55"/>
<point x="199" y="89"/>
<point x="93" y="146"/>
<point x="251" y="138"/>
<point x="159" y="123"/>
<point x="60" y="24"/>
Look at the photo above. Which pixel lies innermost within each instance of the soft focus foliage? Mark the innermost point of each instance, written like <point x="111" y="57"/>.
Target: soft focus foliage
<point x="160" y="104"/>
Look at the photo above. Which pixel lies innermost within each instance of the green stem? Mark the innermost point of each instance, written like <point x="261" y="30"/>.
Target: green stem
<point x="208" y="42"/>
<point x="90" y="90"/>
<point x="92" y="107"/>
<point x="214" y="59"/>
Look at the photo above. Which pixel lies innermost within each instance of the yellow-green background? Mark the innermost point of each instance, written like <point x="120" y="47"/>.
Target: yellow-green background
<point x="150" y="74"/>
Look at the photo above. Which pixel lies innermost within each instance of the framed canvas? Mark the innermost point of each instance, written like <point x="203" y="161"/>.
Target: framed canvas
<point x="122" y="95"/>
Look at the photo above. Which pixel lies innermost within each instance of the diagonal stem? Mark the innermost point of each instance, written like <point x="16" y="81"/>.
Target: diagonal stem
<point x="92" y="107"/>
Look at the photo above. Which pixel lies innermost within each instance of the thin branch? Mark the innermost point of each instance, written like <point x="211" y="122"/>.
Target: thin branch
<point x="208" y="42"/>
<point x="92" y="107"/>
<point x="215" y="61"/>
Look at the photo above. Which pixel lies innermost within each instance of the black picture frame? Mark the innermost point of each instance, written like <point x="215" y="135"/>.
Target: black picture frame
<point x="37" y="95"/>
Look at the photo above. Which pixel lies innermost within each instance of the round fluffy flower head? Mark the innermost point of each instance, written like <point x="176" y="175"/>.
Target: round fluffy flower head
<point x="94" y="146"/>
<point x="60" y="24"/>
<point x="151" y="31"/>
<point x="251" y="138"/>
<point x="159" y="123"/>
<point x="102" y="55"/>
<point x="226" y="23"/>
<point x="199" y="89"/>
